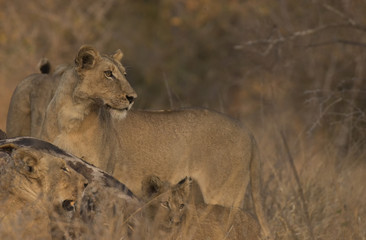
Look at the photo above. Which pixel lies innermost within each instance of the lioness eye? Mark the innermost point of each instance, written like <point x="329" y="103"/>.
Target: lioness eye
<point x="165" y="204"/>
<point x="108" y="73"/>
<point x="30" y="169"/>
<point x="65" y="169"/>
<point x="181" y="206"/>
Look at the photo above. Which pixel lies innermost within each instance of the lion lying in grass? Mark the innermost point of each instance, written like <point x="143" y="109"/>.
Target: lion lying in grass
<point x="108" y="209"/>
<point x="37" y="188"/>
<point x="177" y="212"/>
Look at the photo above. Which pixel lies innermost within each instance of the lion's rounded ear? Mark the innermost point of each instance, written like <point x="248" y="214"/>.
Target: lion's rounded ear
<point x="151" y="185"/>
<point x="185" y="184"/>
<point x="8" y="147"/>
<point x="185" y="181"/>
<point x="86" y="57"/>
<point x="26" y="159"/>
<point x="118" y="55"/>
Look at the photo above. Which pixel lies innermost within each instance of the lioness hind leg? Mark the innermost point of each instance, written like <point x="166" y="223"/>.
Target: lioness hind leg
<point x="228" y="192"/>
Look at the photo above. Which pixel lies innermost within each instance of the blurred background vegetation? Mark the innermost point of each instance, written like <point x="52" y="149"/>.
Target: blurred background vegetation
<point x="292" y="71"/>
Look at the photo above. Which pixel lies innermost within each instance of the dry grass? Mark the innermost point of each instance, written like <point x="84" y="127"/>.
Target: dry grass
<point x="333" y="188"/>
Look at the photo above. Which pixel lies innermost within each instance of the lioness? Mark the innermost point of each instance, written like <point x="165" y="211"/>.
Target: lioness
<point x="36" y="187"/>
<point x="87" y="117"/>
<point x="175" y="214"/>
<point x="30" y="100"/>
<point x="108" y="209"/>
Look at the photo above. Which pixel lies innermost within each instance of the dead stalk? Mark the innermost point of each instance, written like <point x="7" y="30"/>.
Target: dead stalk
<point x="300" y="189"/>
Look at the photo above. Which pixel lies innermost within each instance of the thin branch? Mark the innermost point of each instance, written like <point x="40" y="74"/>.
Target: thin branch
<point x="271" y="42"/>
<point x="281" y="39"/>
<point x="301" y="191"/>
<point x="292" y="36"/>
<point x="339" y="13"/>
<point x="316" y="91"/>
<point x="322" y="113"/>
<point x="337" y="41"/>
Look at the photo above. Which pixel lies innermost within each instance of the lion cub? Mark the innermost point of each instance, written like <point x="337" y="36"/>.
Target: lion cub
<point x="179" y="212"/>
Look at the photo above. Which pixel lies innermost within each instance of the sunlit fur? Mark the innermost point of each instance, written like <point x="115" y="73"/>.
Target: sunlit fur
<point x="118" y="114"/>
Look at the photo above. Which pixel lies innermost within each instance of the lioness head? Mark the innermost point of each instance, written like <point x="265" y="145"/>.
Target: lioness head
<point x="166" y="205"/>
<point x="102" y="79"/>
<point x="30" y="176"/>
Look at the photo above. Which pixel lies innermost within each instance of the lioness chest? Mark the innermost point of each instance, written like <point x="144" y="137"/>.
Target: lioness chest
<point x="87" y="142"/>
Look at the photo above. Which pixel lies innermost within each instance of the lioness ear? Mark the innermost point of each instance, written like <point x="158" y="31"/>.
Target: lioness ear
<point x="26" y="160"/>
<point x="86" y="57"/>
<point x="118" y="55"/>
<point x="8" y="147"/>
<point x="151" y="185"/>
<point x="185" y="184"/>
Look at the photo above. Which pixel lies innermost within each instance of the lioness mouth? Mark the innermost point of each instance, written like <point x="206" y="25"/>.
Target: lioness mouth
<point x="166" y="228"/>
<point x="116" y="109"/>
<point x="118" y="113"/>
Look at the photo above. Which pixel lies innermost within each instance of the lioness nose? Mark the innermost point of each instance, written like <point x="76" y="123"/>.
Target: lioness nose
<point x="130" y="98"/>
<point x="174" y="220"/>
<point x="68" y="205"/>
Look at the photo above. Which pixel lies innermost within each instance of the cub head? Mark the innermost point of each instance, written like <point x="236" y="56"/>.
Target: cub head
<point x="167" y="205"/>
<point x="32" y="176"/>
<point x="102" y="79"/>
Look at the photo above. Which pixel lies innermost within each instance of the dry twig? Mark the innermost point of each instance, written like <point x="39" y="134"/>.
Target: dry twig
<point x="300" y="189"/>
